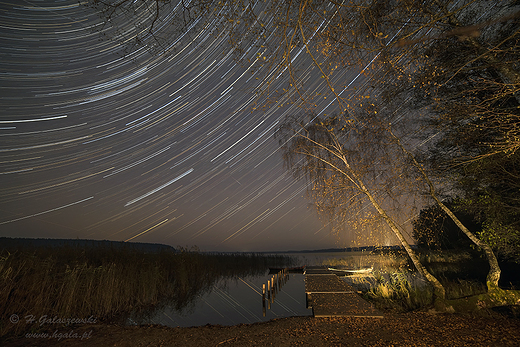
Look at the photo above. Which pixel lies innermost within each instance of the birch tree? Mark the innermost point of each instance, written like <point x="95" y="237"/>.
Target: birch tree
<point x="337" y="160"/>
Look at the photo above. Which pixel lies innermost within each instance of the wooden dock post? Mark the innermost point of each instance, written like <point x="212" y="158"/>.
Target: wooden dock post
<point x="263" y="300"/>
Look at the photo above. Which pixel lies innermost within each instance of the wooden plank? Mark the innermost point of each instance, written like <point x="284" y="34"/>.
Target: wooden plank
<point x="342" y="305"/>
<point x="329" y="296"/>
<point x="326" y="283"/>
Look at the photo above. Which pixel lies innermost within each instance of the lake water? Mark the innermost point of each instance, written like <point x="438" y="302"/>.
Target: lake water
<point x="239" y="300"/>
<point x="235" y="301"/>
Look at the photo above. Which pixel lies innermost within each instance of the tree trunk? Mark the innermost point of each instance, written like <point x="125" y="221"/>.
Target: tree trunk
<point x="439" y="294"/>
<point x="494" y="269"/>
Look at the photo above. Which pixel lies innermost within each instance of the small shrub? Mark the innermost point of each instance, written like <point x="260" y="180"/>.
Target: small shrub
<point x="402" y="291"/>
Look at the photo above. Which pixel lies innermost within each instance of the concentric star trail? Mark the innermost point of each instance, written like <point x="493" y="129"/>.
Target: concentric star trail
<point x="97" y="140"/>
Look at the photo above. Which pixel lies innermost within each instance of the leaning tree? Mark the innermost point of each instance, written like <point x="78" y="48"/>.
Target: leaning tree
<point x="347" y="165"/>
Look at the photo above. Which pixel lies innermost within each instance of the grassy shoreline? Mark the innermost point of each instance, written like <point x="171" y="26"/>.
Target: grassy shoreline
<point x="394" y="285"/>
<point x="110" y="283"/>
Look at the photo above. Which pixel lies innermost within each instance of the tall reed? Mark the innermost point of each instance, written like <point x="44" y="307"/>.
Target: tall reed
<point x="107" y="283"/>
<point x="402" y="291"/>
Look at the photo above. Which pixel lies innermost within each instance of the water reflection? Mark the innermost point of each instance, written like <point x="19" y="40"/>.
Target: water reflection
<point x="235" y="301"/>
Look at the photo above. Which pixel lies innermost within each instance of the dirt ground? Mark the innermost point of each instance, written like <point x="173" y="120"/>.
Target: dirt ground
<point x="407" y="329"/>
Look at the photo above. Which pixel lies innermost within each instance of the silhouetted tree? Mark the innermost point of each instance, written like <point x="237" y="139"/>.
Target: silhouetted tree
<point x="434" y="229"/>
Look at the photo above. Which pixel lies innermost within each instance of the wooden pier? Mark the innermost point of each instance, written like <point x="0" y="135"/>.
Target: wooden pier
<point x="329" y="296"/>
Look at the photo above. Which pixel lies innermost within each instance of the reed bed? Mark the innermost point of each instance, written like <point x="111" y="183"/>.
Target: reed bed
<point x="108" y="283"/>
<point x="395" y="285"/>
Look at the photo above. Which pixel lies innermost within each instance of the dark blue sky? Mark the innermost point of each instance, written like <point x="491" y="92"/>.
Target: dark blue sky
<point x="166" y="148"/>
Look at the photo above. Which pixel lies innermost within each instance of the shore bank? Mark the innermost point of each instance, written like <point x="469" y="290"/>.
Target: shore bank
<point x="406" y="329"/>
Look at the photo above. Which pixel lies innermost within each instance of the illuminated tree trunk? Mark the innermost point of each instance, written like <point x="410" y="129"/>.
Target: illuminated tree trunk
<point x="439" y="294"/>
<point x="320" y="150"/>
<point x="494" y="269"/>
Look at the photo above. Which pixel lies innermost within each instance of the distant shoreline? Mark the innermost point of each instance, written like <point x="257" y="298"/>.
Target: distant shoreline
<point x="14" y="242"/>
<point x="341" y="250"/>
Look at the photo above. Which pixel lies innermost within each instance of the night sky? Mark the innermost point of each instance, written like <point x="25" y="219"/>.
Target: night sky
<point x="101" y="143"/>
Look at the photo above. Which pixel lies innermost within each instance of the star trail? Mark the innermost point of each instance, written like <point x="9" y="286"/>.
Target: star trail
<point x="101" y="143"/>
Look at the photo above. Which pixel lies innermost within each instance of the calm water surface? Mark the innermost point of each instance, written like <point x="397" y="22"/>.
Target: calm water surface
<point x="236" y="301"/>
<point x="239" y="300"/>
